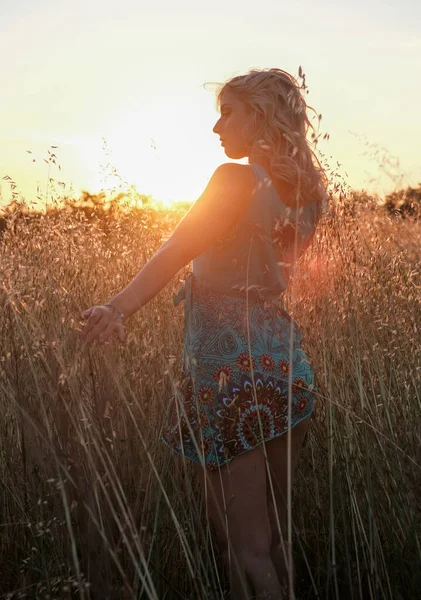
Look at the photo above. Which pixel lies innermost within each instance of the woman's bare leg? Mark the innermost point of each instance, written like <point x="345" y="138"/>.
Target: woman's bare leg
<point x="277" y="454"/>
<point x="237" y="503"/>
<point x="215" y="500"/>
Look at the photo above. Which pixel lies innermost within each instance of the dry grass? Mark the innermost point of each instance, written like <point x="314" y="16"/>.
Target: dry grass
<point x="94" y="506"/>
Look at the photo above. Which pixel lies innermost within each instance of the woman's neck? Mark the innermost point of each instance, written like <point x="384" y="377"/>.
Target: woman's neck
<point x="284" y="190"/>
<point x="259" y="159"/>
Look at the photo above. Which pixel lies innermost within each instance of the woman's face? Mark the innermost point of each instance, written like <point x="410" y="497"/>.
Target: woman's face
<point x="230" y="126"/>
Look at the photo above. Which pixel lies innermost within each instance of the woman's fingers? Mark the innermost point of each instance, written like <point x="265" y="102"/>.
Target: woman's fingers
<point x="114" y="326"/>
<point x="97" y="322"/>
<point x="105" y="335"/>
<point x="121" y="333"/>
<point x="87" y="313"/>
<point x="99" y="326"/>
<point x="93" y="316"/>
<point x="95" y="328"/>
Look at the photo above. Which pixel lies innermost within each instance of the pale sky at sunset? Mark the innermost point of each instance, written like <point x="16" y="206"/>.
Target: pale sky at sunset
<point x="131" y="72"/>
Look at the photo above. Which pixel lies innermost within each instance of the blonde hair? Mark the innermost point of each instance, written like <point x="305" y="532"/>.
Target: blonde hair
<point x="277" y="129"/>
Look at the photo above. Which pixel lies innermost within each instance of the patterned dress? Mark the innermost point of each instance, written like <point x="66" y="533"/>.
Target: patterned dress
<point x="246" y="378"/>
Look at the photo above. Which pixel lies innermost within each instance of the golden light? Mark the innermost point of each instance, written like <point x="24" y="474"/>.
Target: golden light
<point x="156" y="151"/>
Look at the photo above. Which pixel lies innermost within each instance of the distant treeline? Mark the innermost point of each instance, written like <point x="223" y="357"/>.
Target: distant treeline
<point x="96" y="208"/>
<point x="405" y="203"/>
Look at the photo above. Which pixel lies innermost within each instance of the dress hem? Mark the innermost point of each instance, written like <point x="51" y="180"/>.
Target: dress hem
<point x="221" y="464"/>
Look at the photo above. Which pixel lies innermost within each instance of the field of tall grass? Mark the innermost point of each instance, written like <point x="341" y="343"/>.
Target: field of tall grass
<point x="94" y="506"/>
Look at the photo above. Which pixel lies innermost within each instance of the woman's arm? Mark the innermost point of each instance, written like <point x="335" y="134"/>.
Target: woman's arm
<point x="223" y="202"/>
<point x="225" y="199"/>
<point x="150" y="280"/>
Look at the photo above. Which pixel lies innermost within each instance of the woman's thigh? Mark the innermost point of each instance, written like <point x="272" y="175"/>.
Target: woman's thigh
<point x="277" y="479"/>
<point x="237" y="503"/>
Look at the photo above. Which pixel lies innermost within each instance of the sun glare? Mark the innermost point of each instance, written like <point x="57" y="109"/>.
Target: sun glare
<point x="165" y="151"/>
<point x="152" y="151"/>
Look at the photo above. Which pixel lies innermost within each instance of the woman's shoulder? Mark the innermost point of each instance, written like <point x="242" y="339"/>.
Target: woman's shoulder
<point x="235" y="173"/>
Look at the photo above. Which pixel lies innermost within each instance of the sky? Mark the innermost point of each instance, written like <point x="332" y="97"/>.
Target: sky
<point x="132" y="73"/>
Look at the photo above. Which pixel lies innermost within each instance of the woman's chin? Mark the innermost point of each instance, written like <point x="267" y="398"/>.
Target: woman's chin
<point x="234" y="154"/>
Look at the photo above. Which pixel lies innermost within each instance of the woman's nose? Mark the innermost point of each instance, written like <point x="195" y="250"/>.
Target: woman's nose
<point x="216" y="127"/>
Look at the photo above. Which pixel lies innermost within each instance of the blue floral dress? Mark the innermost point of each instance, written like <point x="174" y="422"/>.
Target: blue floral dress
<point x="246" y="378"/>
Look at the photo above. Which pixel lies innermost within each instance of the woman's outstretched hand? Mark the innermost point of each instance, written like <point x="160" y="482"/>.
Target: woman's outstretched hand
<point x="101" y="323"/>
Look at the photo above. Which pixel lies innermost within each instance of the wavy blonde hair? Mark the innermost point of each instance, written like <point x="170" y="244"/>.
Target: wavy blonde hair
<point x="277" y="128"/>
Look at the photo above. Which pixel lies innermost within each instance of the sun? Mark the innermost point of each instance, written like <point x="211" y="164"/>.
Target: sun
<point x="169" y="158"/>
<point x="138" y="162"/>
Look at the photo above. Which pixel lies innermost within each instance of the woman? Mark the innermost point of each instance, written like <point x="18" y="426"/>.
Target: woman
<point x="246" y="380"/>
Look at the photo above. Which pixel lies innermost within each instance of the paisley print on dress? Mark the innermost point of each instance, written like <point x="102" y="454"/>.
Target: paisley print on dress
<point x="234" y="396"/>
